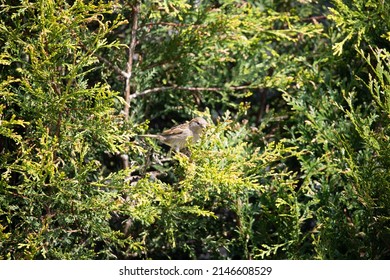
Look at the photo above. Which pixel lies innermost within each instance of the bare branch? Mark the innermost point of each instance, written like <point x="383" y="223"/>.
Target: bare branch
<point x="160" y="89"/>
<point x="148" y="91"/>
<point x="174" y="24"/>
<point x="112" y="66"/>
<point x="315" y="19"/>
<point x="129" y="69"/>
<point x="105" y="61"/>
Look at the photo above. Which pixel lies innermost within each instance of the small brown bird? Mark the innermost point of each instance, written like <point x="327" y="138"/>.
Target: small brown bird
<point x="177" y="136"/>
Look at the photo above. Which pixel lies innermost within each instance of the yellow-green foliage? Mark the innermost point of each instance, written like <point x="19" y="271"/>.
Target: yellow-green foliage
<point x="298" y="168"/>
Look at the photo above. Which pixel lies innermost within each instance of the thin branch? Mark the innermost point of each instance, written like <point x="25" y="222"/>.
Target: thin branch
<point x="129" y="69"/>
<point x="161" y="89"/>
<point x="315" y="19"/>
<point x="174" y="24"/>
<point x="112" y="66"/>
<point x="105" y="61"/>
<point x="148" y="91"/>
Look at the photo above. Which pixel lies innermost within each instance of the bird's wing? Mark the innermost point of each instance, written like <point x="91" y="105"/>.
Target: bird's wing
<point x="175" y="130"/>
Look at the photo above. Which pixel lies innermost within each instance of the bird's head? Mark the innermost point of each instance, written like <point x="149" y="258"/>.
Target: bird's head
<point x="198" y="124"/>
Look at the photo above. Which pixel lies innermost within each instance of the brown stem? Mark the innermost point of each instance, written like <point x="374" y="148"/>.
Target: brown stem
<point x="174" y="24"/>
<point x="315" y="18"/>
<point x="104" y="60"/>
<point x="112" y="66"/>
<point x="129" y="69"/>
<point x="160" y="89"/>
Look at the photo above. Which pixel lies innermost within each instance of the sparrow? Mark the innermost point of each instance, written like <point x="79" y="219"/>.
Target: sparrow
<point x="177" y="137"/>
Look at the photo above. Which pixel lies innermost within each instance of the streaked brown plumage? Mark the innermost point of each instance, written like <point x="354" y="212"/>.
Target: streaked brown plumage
<point x="177" y="136"/>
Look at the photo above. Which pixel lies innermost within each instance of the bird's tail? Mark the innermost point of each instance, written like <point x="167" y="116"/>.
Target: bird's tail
<point x="150" y="135"/>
